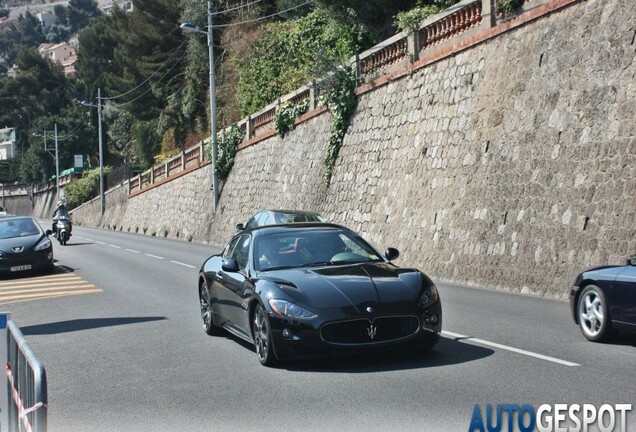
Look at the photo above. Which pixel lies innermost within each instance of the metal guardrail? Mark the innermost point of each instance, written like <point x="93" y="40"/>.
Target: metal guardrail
<point x="27" y="391"/>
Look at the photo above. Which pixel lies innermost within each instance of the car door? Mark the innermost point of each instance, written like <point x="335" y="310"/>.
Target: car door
<point x="238" y="287"/>
<point x="624" y="309"/>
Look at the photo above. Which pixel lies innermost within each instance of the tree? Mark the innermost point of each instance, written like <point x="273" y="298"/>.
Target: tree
<point x="286" y="55"/>
<point x="61" y="14"/>
<point x="80" y="12"/>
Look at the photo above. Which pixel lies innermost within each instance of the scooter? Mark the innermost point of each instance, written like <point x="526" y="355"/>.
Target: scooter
<point x="63" y="230"/>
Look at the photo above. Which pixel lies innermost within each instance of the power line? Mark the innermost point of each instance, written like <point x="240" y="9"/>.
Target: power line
<point x="263" y="18"/>
<point x="236" y="8"/>
<point x="151" y="75"/>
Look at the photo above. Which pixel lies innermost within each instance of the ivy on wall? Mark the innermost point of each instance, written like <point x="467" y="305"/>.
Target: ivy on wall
<point x="285" y="115"/>
<point x="227" y="151"/>
<point x="341" y="100"/>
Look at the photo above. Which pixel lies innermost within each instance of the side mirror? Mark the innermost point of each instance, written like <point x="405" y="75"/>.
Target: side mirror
<point x="240" y="227"/>
<point x="631" y="261"/>
<point x="392" y="253"/>
<point x="49" y="232"/>
<point x="230" y="265"/>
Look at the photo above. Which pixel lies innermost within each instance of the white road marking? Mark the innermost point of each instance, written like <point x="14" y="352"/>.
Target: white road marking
<point x="132" y="250"/>
<point x="115" y="246"/>
<point x="154" y="256"/>
<point x="182" y="264"/>
<point x="99" y="242"/>
<point x="509" y="348"/>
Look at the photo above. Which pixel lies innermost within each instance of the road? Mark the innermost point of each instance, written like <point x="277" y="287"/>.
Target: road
<point x="35" y="8"/>
<point x="130" y="354"/>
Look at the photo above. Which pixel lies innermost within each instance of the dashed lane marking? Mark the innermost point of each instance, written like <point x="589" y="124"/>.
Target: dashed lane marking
<point x="154" y="256"/>
<point x="471" y="339"/>
<point x="182" y="264"/>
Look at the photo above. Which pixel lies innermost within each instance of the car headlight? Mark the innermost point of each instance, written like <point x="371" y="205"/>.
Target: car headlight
<point x="429" y="296"/>
<point x="289" y="309"/>
<point x="44" y="244"/>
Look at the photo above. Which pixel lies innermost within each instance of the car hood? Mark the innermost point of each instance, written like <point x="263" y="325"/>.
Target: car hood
<point x="355" y="285"/>
<point x="24" y="242"/>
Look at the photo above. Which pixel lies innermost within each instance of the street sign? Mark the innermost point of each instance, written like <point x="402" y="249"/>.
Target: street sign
<point x="79" y="161"/>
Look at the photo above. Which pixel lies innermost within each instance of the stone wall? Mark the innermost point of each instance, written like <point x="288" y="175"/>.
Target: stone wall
<point x="510" y="165"/>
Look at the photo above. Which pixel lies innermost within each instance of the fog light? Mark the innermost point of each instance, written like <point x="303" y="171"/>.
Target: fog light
<point x="432" y="319"/>
<point x="287" y="333"/>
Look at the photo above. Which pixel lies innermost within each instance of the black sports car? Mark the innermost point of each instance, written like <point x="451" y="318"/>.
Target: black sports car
<point x="603" y="299"/>
<point x="24" y="246"/>
<point x="315" y="289"/>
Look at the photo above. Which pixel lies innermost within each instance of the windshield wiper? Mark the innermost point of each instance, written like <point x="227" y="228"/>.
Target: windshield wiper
<point x="282" y="267"/>
<point x="318" y="263"/>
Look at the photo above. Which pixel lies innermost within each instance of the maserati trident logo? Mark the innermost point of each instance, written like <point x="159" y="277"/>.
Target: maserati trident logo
<point x="18" y="249"/>
<point x="371" y="331"/>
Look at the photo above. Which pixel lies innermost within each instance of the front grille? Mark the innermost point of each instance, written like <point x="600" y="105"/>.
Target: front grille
<point x="365" y="331"/>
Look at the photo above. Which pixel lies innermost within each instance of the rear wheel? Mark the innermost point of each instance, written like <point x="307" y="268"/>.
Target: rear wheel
<point x="206" y="311"/>
<point x="593" y="314"/>
<point x="263" y="337"/>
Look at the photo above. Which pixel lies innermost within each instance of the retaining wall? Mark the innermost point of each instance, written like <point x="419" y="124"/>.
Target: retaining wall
<point x="510" y="163"/>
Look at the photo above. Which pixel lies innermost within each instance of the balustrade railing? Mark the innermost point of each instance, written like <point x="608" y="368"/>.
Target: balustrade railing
<point x="451" y="26"/>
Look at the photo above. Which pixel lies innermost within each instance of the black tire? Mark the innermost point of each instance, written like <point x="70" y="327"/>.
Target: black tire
<point x="206" y="311"/>
<point x="593" y="314"/>
<point x="262" y="334"/>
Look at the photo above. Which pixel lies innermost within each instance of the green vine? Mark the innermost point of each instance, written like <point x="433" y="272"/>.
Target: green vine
<point x="505" y="7"/>
<point x="341" y="100"/>
<point x="227" y="151"/>
<point x="285" y="115"/>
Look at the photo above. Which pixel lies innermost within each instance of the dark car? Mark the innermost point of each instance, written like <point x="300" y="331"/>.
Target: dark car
<point x="315" y="289"/>
<point x="276" y="217"/>
<point x="603" y="300"/>
<point x="24" y="246"/>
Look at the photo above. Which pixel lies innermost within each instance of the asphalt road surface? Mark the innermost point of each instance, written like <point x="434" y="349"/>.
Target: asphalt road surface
<point x="118" y="330"/>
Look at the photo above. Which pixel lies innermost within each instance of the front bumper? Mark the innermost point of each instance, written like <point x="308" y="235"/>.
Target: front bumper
<point x="295" y="339"/>
<point x="40" y="260"/>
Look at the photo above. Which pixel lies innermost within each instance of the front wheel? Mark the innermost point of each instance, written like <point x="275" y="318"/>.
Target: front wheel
<point x="263" y="337"/>
<point x="593" y="314"/>
<point x="206" y="311"/>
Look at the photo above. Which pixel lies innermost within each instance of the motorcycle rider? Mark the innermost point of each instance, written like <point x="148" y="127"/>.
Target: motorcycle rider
<point x="61" y="213"/>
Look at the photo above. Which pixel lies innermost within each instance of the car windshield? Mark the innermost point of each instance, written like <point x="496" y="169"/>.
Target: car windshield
<point x="18" y="228"/>
<point x="311" y="248"/>
<point x="286" y="218"/>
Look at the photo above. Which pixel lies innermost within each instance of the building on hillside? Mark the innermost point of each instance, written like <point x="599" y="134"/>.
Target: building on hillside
<point x="62" y="53"/>
<point x="124" y="5"/>
<point x="7" y="143"/>
<point x="12" y="72"/>
<point x="47" y="19"/>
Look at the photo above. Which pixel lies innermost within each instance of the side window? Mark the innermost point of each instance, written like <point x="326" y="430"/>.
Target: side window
<point x="252" y="222"/>
<point x="227" y="252"/>
<point x="262" y="219"/>
<point x="241" y="252"/>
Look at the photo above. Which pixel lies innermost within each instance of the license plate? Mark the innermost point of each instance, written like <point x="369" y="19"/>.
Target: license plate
<point x="21" y="268"/>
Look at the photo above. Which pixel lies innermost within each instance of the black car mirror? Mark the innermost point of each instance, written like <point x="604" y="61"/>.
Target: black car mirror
<point x="631" y="261"/>
<point x="230" y="265"/>
<point x="391" y="254"/>
<point x="240" y="227"/>
<point x="49" y="232"/>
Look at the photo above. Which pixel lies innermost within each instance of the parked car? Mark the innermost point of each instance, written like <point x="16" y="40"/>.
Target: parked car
<point x="603" y="299"/>
<point x="3" y="212"/>
<point x="314" y="289"/>
<point x="275" y="217"/>
<point x="24" y="245"/>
